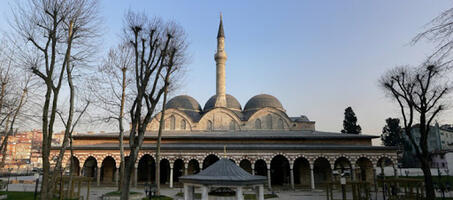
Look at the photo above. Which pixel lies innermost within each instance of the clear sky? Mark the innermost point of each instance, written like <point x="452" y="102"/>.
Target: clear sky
<point x="316" y="57"/>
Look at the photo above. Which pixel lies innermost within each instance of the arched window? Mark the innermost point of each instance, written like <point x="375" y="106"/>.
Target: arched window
<point x="269" y="121"/>
<point x="209" y="127"/>
<point x="232" y="125"/>
<point x="257" y="124"/>
<point x="280" y="124"/>
<point x="172" y="122"/>
<point x="183" y="124"/>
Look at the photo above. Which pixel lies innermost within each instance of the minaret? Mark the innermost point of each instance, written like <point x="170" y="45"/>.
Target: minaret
<point x="220" y="59"/>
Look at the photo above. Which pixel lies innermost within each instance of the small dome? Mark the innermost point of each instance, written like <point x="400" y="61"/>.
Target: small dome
<point x="263" y="100"/>
<point x="184" y="102"/>
<point x="232" y="103"/>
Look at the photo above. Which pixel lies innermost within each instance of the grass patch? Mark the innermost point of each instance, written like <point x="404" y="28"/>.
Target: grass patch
<point x="117" y="193"/>
<point x="162" y="197"/>
<point x="12" y="195"/>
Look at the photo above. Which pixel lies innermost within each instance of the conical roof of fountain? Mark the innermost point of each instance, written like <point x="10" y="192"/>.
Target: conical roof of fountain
<point x="224" y="172"/>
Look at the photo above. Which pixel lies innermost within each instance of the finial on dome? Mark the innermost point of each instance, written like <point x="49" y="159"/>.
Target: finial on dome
<point x="220" y="33"/>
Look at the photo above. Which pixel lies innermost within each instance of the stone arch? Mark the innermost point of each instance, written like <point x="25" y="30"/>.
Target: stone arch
<point x="108" y="168"/>
<point x="75" y="166"/>
<point x="246" y="165"/>
<point x="342" y="166"/>
<point x="178" y="169"/>
<point x="260" y="167"/>
<point x="384" y="162"/>
<point x="364" y="169"/>
<point x="193" y="166"/>
<point x="209" y="160"/>
<point x="322" y="170"/>
<point x="301" y="169"/>
<point x="90" y="167"/>
<point x="146" y="169"/>
<point x="164" y="171"/>
<point x="280" y="124"/>
<point x="280" y="170"/>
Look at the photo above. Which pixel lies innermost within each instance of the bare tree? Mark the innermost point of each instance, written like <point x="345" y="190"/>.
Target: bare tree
<point x="440" y="32"/>
<point x="421" y="95"/>
<point x="110" y="88"/>
<point x="158" y="49"/>
<point x="13" y="95"/>
<point x="56" y="32"/>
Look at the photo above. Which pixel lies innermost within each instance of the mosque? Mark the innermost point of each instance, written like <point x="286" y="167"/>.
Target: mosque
<point x="259" y="137"/>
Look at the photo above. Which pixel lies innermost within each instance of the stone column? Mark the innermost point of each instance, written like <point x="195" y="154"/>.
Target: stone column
<point x="171" y="176"/>
<point x="204" y="192"/>
<point x="116" y="175"/>
<point x="353" y="172"/>
<point x="239" y="195"/>
<point x="200" y="165"/>
<point x="260" y="193"/>
<point x="269" y="179"/>
<point x="253" y="170"/>
<point x="291" y="174"/>
<point x="312" y="177"/>
<point x="395" y="171"/>
<point x="186" y="166"/>
<point x="188" y="192"/>
<point x="98" y="176"/>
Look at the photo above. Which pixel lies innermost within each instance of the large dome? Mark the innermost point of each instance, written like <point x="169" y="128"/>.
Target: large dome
<point x="232" y="103"/>
<point x="184" y="102"/>
<point x="261" y="101"/>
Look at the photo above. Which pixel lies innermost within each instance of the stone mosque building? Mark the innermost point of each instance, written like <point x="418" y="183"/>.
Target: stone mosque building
<point x="260" y="137"/>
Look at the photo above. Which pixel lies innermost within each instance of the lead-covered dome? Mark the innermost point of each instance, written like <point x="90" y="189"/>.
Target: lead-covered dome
<point x="184" y="102"/>
<point x="232" y="103"/>
<point x="261" y="101"/>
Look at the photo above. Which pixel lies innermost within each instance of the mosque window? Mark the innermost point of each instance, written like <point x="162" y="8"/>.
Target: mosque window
<point x="183" y="124"/>
<point x="232" y="125"/>
<point x="258" y="124"/>
<point x="172" y="122"/>
<point x="280" y="123"/>
<point x="269" y="121"/>
<point x="209" y="127"/>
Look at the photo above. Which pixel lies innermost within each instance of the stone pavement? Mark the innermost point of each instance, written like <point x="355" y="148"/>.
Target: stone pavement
<point x="299" y="194"/>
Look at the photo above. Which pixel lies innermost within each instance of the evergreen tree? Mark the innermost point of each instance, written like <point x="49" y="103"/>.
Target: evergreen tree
<point x="392" y="132"/>
<point x="350" y="125"/>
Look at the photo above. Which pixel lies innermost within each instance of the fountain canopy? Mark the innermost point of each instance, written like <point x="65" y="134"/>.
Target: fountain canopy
<point x="226" y="173"/>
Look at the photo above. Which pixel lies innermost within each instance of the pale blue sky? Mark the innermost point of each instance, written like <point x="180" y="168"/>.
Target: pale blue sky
<point x="317" y="57"/>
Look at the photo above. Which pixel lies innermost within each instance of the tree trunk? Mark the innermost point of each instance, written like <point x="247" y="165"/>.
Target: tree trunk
<point x="127" y="176"/>
<point x="159" y="138"/>
<point x="120" y="122"/>
<point x="429" y="187"/>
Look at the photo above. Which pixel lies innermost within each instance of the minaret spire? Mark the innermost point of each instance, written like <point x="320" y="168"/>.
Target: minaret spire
<point x="220" y="59"/>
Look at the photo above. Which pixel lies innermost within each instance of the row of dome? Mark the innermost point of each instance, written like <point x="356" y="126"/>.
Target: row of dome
<point x="184" y="102"/>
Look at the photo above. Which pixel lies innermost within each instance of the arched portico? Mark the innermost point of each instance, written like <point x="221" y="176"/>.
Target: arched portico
<point x="364" y="170"/>
<point x="302" y="172"/>
<point x="146" y="169"/>
<point x="280" y="172"/>
<point x="108" y="168"/>
<point x="322" y="171"/>
<point x="90" y="167"/>
<point x="343" y="167"/>
<point x="193" y="167"/>
<point x="246" y="165"/>
<point x="209" y="160"/>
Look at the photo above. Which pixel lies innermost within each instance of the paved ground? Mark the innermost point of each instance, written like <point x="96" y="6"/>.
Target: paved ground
<point x="97" y="192"/>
